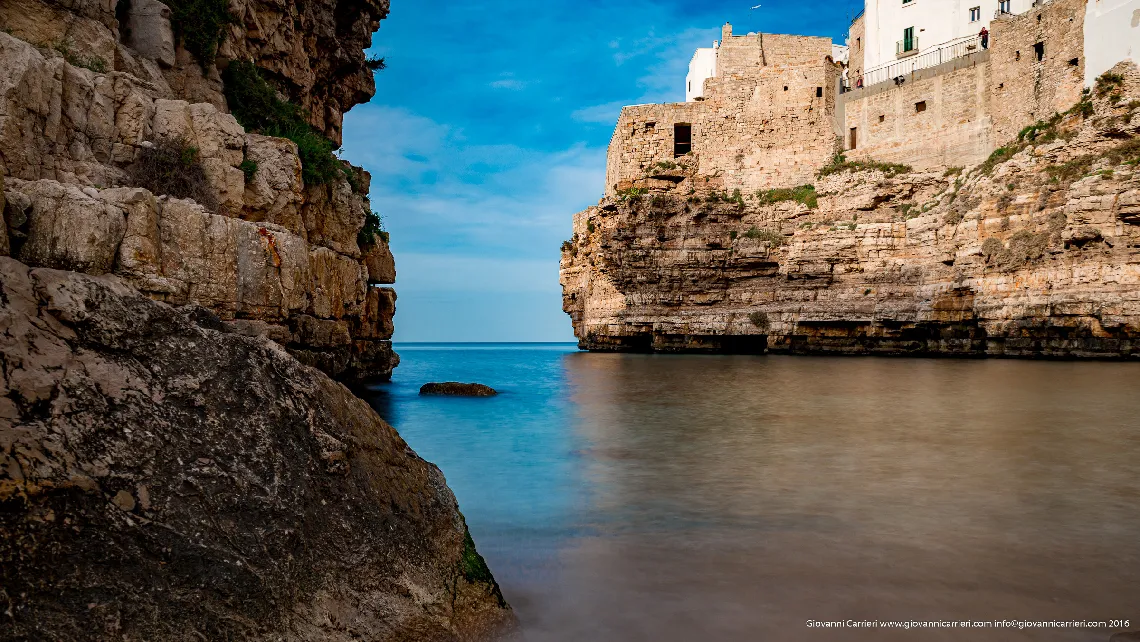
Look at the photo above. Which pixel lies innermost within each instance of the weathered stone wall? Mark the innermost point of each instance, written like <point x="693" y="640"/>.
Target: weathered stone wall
<point x="858" y="51"/>
<point x="644" y="137"/>
<point x="765" y="120"/>
<point x="1026" y="89"/>
<point x="954" y="128"/>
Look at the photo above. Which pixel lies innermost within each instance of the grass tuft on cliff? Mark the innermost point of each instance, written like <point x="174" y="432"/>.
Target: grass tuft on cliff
<point x="372" y="231"/>
<point x="255" y="104"/>
<point x="803" y="194"/>
<point x="172" y="168"/>
<point x="200" y="26"/>
<point x="75" y="59"/>
<point x="839" y="163"/>
<point x="774" y="238"/>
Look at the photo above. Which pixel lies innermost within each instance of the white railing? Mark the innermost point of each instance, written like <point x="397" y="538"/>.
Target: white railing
<point x="934" y="57"/>
<point x="906" y="46"/>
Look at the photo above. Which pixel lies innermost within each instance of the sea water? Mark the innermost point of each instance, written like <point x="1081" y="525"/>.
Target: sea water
<point x="680" y="498"/>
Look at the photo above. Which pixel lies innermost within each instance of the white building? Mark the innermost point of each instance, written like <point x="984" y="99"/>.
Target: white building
<point x="900" y="29"/>
<point x="1112" y="34"/>
<point x="701" y="68"/>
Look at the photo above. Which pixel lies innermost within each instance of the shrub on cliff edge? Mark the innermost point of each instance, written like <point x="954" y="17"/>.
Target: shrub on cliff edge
<point x="803" y="194"/>
<point x="200" y="26"/>
<point x="373" y="229"/>
<point x="172" y="168"/>
<point x="839" y="163"/>
<point x="255" y="104"/>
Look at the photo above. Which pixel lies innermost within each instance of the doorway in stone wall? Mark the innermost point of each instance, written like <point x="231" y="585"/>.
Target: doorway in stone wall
<point x="854" y="138"/>
<point x="682" y="139"/>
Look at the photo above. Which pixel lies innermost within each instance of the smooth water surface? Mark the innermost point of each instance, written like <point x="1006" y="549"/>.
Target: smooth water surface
<point x="677" y="498"/>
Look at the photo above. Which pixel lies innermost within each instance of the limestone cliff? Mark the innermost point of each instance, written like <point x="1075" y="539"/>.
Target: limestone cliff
<point x="187" y="254"/>
<point x="1032" y="253"/>
<point x="94" y="92"/>
<point x="163" y="477"/>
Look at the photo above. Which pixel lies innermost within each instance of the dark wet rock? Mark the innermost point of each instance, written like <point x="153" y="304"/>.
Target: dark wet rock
<point x="161" y="479"/>
<point x="456" y="389"/>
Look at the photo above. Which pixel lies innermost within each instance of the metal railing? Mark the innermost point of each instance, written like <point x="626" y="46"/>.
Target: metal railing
<point x="906" y="46"/>
<point x="936" y="56"/>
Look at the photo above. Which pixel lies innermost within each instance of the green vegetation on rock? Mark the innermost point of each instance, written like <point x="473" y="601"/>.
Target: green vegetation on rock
<point x="373" y="229"/>
<point x="200" y="26"/>
<point x="774" y="238"/>
<point x="255" y="104"/>
<point x="839" y="163"/>
<point x="803" y="194"/>
<point x="173" y="168"/>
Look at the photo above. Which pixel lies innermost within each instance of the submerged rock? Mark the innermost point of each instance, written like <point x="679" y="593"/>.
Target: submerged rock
<point x="163" y="477"/>
<point x="456" y="389"/>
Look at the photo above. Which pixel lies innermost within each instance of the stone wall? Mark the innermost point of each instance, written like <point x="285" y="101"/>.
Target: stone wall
<point x="940" y="117"/>
<point x="976" y="103"/>
<point x="644" y="137"/>
<point x="765" y="121"/>
<point x="858" y="42"/>
<point x="1027" y="89"/>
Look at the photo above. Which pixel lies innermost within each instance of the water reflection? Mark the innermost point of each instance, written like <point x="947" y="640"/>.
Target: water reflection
<point x="735" y="498"/>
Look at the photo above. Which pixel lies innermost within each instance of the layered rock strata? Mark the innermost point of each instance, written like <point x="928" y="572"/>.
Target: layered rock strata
<point x="163" y="477"/>
<point x="87" y="87"/>
<point x="1031" y="254"/>
<point x="171" y="467"/>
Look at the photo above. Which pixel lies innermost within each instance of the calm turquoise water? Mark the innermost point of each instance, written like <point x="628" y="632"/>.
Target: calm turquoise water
<point x="676" y="498"/>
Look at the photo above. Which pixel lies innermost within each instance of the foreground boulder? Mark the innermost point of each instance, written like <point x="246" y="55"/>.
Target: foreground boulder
<point x="456" y="389"/>
<point x="164" y="478"/>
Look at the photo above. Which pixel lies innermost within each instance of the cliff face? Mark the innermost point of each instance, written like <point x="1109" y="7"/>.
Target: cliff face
<point x="163" y="477"/>
<point x="1033" y="253"/>
<point x="91" y="92"/>
<point x="170" y="465"/>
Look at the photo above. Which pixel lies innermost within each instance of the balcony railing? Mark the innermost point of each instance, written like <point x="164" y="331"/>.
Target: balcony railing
<point x="914" y="62"/>
<point x="906" y="47"/>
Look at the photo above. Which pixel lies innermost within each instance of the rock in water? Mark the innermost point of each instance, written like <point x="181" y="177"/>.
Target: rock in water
<point x="162" y="478"/>
<point x="456" y="389"/>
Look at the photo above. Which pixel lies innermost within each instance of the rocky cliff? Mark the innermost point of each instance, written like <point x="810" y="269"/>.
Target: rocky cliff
<point x="1032" y="253"/>
<point x="163" y="477"/>
<point x="187" y="255"/>
<point x="122" y="157"/>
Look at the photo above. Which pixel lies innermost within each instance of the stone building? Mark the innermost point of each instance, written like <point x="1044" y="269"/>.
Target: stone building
<point x="768" y="110"/>
<point x="764" y="117"/>
<point x="896" y="32"/>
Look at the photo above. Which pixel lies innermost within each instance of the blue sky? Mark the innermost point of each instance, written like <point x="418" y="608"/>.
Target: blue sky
<point x="489" y="131"/>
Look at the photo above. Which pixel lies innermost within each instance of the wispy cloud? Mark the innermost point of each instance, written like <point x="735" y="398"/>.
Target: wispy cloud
<point x="482" y="145"/>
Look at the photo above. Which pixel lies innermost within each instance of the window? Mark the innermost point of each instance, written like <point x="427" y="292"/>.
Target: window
<point x="975" y="14"/>
<point x="682" y="139"/>
<point x="907" y="1"/>
<point x="908" y="39"/>
<point x="690" y="86"/>
<point x="1004" y="6"/>
<point x="1039" y="51"/>
<point x="882" y="118"/>
<point x="858" y="43"/>
<point x="819" y="92"/>
<point x="854" y="137"/>
<point x="920" y="106"/>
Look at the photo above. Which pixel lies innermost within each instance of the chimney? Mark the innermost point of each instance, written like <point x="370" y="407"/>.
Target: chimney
<point x="726" y="31"/>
